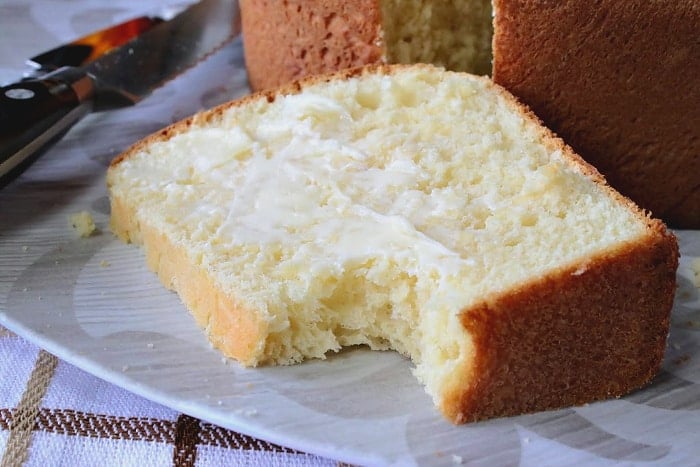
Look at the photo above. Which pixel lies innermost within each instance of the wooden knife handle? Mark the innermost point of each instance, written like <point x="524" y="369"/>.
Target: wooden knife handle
<point x="35" y="113"/>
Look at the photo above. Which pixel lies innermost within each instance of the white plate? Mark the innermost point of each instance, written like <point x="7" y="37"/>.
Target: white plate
<point x="93" y="303"/>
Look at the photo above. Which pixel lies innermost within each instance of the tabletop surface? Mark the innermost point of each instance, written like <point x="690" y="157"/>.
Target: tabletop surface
<point x="85" y="378"/>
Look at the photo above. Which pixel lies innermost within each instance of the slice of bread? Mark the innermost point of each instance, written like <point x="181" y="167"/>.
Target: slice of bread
<point x="406" y="208"/>
<point x="290" y="40"/>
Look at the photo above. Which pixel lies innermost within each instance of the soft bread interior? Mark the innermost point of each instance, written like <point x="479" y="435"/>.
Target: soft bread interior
<point x="455" y="34"/>
<point x="370" y="211"/>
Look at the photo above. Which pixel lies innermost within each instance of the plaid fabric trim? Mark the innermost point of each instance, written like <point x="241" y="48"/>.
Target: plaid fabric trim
<point x="186" y="438"/>
<point x="185" y="434"/>
<point x="24" y="415"/>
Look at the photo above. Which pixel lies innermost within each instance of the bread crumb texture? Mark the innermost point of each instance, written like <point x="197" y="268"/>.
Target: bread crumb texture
<point x="370" y="210"/>
<point x="454" y="34"/>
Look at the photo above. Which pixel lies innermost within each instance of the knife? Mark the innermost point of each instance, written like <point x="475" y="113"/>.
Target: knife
<point x="36" y="112"/>
<point x="84" y="50"/>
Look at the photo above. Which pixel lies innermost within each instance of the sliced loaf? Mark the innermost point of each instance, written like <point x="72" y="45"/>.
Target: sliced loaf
<point x="285" y="41"/>
<point x="406" y="208"/>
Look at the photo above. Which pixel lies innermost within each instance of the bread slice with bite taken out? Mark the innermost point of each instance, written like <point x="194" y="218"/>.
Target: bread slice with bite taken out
<point x="405" y="208"/>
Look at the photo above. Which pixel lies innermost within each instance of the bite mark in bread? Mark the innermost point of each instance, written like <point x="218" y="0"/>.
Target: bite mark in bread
<point x="409" y="208"/>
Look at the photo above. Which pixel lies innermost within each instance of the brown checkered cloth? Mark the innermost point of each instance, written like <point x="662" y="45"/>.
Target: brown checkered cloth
<point x="52" y="413"/>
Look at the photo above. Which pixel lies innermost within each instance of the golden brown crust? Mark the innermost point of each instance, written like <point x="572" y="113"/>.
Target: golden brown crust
<point x="618" y="83"/>
<point x="232" y="329"/>
<point x="285" y="41"/>
<point x="586" y="332"/>
<point x="573" y="337"/>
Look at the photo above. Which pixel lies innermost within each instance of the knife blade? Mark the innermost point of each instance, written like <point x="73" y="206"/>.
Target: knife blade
<point x="36" y="112"/>
<point x="81" y="51"/>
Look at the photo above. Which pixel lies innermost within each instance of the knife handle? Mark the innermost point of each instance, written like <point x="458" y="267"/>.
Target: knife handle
<point x="37" y="112"/>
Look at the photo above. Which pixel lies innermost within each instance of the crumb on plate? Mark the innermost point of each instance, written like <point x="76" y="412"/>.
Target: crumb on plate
<point x="83" y="223"/>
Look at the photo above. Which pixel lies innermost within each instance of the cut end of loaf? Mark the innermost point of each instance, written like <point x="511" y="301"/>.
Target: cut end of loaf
<point x="390" y="207"/>
<point x="286" y="42"/>
<point x="456" y="34"/>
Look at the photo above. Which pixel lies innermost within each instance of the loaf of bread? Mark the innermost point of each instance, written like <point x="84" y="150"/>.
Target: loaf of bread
<point x="616" y="80"/>
<point x="285" y="41"/>
<point x="619" y="83"/>
<point x="406" y="208"/>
